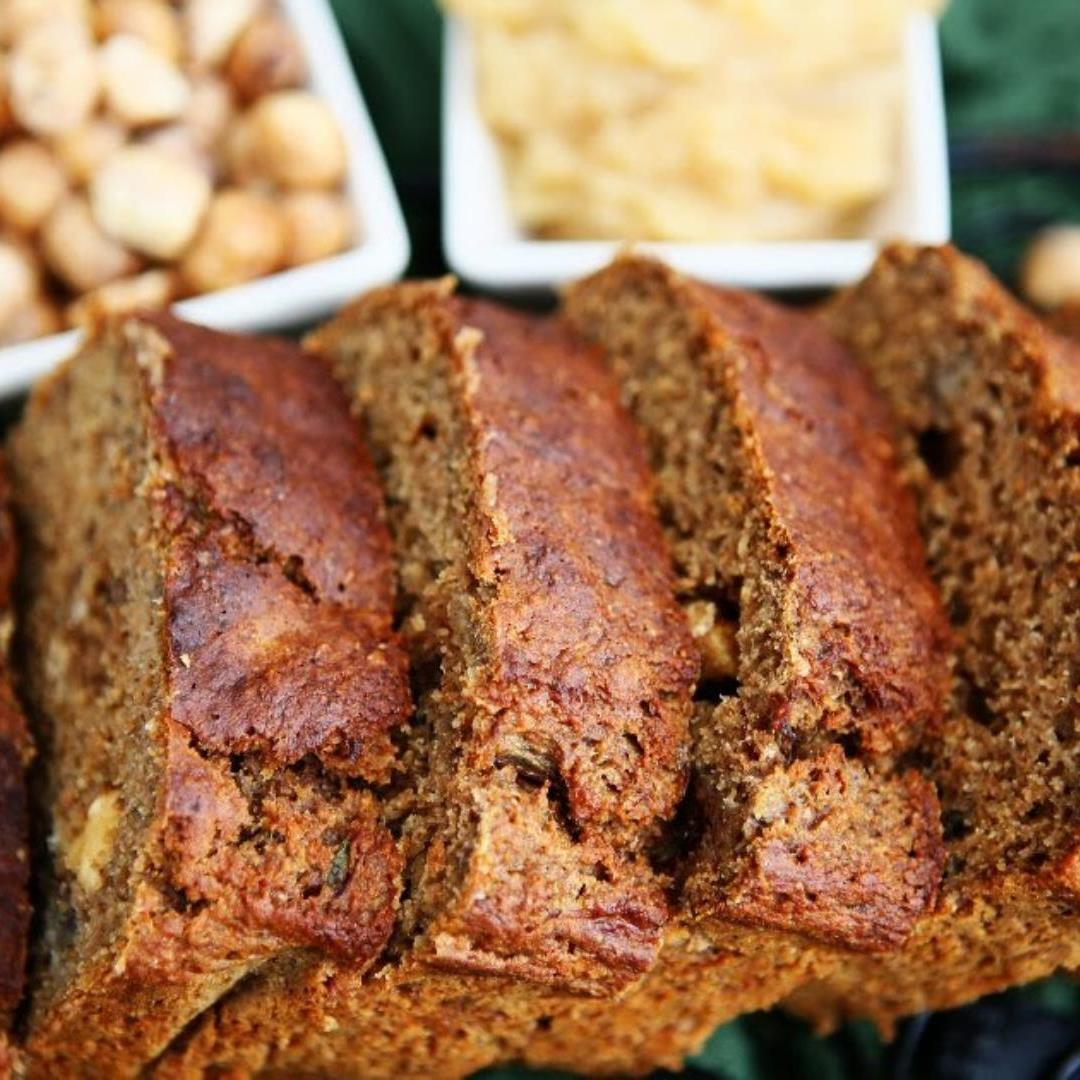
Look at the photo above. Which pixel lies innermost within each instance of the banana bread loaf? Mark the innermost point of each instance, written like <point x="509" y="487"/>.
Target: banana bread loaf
<point x="553" y="673"/>
<point x="987" y="402"/>
<point x="824" y="650"/>
<point x="210" y="668"/>
<point x="14" y="816"/>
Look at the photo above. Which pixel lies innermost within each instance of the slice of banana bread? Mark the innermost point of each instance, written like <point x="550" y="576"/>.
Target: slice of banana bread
<point x="988" y="406"/>
<point x="824" y="650"/>
<point x="553" y="671"/>
<point x="210" y="668"/>
<point x="14" y="815"/>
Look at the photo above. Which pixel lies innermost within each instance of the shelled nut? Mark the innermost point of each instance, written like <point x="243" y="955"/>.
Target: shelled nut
<point x="297" y="142"/>
<point x="266" y="57"/>
<point x="53" y="77"/>
<point x="154" y="21"/>
<point x="320" y="224"/>
<point x="149" y="200"/>
<point x="32" y="182"/>
<point x="141" y="86"/>
<point x="244" y="237"/>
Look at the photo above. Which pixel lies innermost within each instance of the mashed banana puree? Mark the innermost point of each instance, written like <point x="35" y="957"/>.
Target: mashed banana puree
<point x="693" y="119"/>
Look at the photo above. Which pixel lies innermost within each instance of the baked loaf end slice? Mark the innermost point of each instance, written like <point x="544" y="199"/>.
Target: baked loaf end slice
<point x="211" y="669"/>
<point x="987" y="401"/>
<point x="824" y="656"/>
<point x="15" y="756"/>
<point x="554" y="673"/>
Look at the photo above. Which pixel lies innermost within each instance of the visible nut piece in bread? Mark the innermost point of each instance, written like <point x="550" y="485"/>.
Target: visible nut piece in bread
<point x="209" y="653"/>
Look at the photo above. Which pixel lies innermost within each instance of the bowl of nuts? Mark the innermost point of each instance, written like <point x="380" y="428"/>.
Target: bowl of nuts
<point x="181" y="152"/>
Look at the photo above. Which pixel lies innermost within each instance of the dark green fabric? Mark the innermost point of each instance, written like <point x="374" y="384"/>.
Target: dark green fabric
<point x="1010" y="65"/>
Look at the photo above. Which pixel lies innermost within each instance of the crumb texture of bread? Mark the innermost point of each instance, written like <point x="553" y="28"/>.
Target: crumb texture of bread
<point x="987" y="402"/>
<point x="15" y="755"/>
<point x="211" y="669"/>
<point x="824" y="661"/>
<point x="553" y="673"/>
<point x="793" y="534"/>
<point x="555" y="667"/>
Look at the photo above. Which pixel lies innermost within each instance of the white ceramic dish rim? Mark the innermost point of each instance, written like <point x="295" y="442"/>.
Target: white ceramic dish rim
<point x="305" y="293"/>
<point x="484" y="246"/>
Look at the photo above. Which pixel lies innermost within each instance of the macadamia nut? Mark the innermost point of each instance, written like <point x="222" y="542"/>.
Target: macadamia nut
<point x="320" y="224"/>
<point x="1050" y="275"/>
<point x="90" y="852"/>
<point x="149" y="200"/>
<point x="297" y="142"/>
<point x="151" y="150"/>
<point x="19" y="16"/>
<point x="213" y="27"/>
<point x="79" y="252"/>
<point x="178" y="141"/>
<point x="36" y="318"/>
<point x="153" y="21"/>
<point x="84" y="149"/>
<point x="141" y="86"/>
<point x="267" y="57"/>
<point x="152" y="289"/>
<point x="54" y="77"/>
<point x="243" y="237"/>
<point x="210" y="110"/>
<point x="31" y="184"/>
<point x="19" y="279"/>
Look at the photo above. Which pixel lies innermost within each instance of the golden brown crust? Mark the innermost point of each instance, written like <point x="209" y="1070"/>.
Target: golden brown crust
<point x="558" y="710"/>
<point x="278" y="614"/>
<point x="573" y="724"/>
<point x="591" y="660"/>
<point x="282" y="685"/>
<point x="856" y="558"/>
<point x="809" y="826"/>
<point x="987" y="405"/>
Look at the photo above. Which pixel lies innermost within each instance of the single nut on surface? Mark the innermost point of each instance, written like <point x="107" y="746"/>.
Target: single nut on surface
<point x="84" y="149"/>
<point x="19" y="279"/>
<point x="54" y="77"/>
<point x="214" y="25"/>
<point x="267" y="57"/>
<point x="18" y="16"/>
<point x="242" y="238"/>
<point x="320" y="224"/>
<point x="151" y="289"/>
<point x="147" y="199"/>
<point x="210" y="110"/>
<point x="31" y="184"/>
<point x="141" y="86"/>
<point x="154" y="21"/>
<point x="77" y="250"/>
<point x="1050" y="274"/>
<point x="297" y="140"/>
<point x="89" y="853"/>
<point x="38" y="317"/>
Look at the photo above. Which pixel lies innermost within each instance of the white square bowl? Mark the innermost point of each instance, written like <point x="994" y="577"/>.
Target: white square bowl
<point x="485" y="246"/>
<point x="306" y="292"/>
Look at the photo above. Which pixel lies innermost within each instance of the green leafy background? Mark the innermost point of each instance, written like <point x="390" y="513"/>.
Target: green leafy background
<point x="1010" y="66"/>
